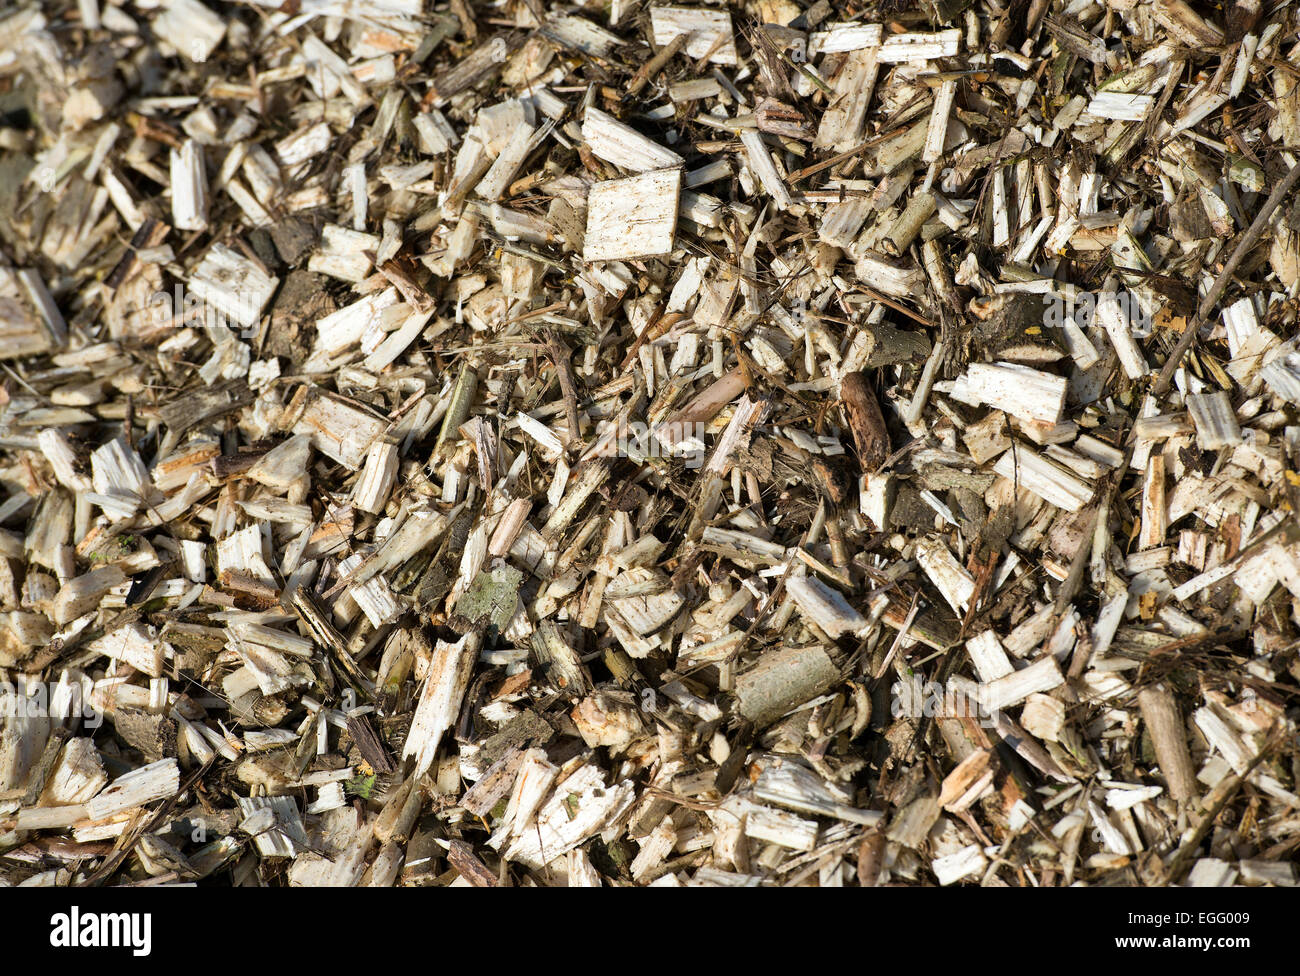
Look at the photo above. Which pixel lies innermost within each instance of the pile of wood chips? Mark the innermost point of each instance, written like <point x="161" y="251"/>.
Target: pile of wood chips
<point x="742" y="444"/>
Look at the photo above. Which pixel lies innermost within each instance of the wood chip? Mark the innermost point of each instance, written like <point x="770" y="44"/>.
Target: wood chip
<point x="691" y="445"/>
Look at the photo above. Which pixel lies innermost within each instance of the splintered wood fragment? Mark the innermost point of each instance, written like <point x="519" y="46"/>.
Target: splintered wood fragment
<point x="580" y="35"/>
<point x="843" y="221"/>
<point x="782" y="828"/>
<point x="760" y="161"/>
<point x="1163" y="426"/>
<point x="590" y="476"/>
<point x="512" y="523"/>
<point x="274" y="824"/>
<point x="318" y="623"/>
<point x="607" y="718"/>
<point x="236" y="286"/>
<point x="703" y="29"/>
<point x="77" y="776"/>
<point x="82" y="594"/>
<point x="970" y="778"/>
<point x="494" y="785"/>
<point x="964" y="863"/>
<point x="198" y="406"/>
<point x="378" y="475"/>
<point x="892" y="277"/>
<point x="916" y="406"/>
<point x="307" y="142"/>
<point x="136" y="788"/>
<point x="824" y="606"/>
<point x="742" y="544"/>
<point x="1115" y="318"/>
<point x="189" y="187"/>
<point x="280" y="467"/>
<point x="936" y="134"/>
<point x="191" y="28"/>
<point x="462" y="398"/>
<point x="786" y="784"/>
<point x="30" y="322"/>
<point x="919" y="46"/>
<point x="502" y="171"/>
<point x="1186" y="24"/>
<point x="838" y="38"/>
<point x="988" y="656"/>
<point x="1215" y="420"/>
<point x="843" y="124"/>
<point x="634" y="217"/>
<point x="337" y="428"/>
<point x="582" y="805"/>
<point x="908" y="225"/>
<point x="445" y="684"/>
<point x="1283" y="376"/>
<point x="1168" y="731"/>
<point x="1046" y="479"/>
<point x="988" y="438"/>
<point x="749" y="413"/>
<point x="484" y="60"/>
<point x="43" y="766"/>
<point x="134" y="645"/>
<point x="344" y="253"/>
<point x="623" y="146"/>
<point x="560" y="660"/>
<point x="780" y="119"/>
<point x="1155" y="510"/>
<point x="1121" y="106"/>
<point x="1024" y="392"/>
<point x="461" y="856"/>
<point x="956" y="585"/>
<point x="373" y="596"/>
<point x="1011" y="689"/>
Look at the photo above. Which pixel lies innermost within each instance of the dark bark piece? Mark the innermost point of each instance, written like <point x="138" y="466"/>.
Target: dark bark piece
<point x="153" y="734"/>
<point x="483" y="61"/>
<point x="462" y="857"/>
<point x="865" y="421"/>
<point x="373" y="750"/>
<point x="527" y="729"/>
<point x="201" y="405"/>
<point x="293" y="238"/>
<point x="891" y="346"/>
<point x="1015" y="328"/>
<point x="301" y="302"/>
<point x="495" y="784"/>
<point x="43" y="766"/>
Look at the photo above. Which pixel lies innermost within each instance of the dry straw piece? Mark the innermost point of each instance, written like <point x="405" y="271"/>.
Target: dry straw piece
<point x="769" y="443"/>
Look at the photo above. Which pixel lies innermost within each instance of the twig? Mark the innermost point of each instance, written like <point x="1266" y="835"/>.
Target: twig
<point x="564" y="369"/>
<point x="1221" y="282"/>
